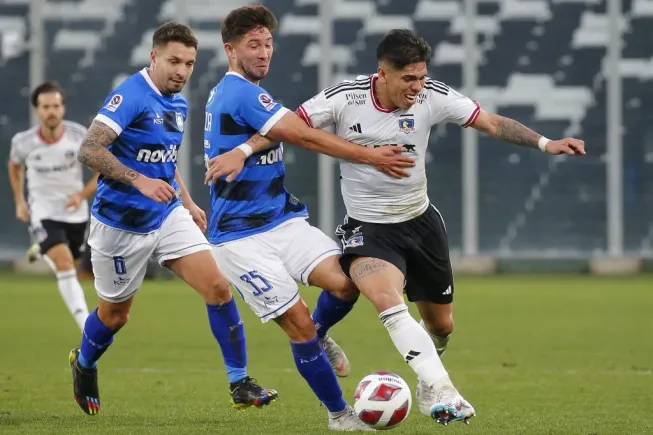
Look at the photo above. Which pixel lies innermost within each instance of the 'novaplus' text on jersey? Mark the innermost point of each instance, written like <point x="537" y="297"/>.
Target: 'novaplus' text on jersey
<point x="256" y="201"/>
<point x="150" y="127"/>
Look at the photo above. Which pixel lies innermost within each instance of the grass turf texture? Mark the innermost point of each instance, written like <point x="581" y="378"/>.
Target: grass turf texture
<point x="533" y="354"/>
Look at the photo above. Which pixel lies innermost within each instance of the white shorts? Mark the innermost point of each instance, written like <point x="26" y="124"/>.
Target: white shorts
<point x="265" y="268"/>
<point x="120" y="257"/>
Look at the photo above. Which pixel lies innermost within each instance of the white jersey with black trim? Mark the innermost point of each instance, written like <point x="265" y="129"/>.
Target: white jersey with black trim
<point x="53" y="172"/>
<point x="353" y="110"/>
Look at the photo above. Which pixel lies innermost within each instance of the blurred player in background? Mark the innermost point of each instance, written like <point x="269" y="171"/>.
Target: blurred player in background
<point x="57" y="212"/>
<point x="143" y="210"/>
<point x="261" y="239"/>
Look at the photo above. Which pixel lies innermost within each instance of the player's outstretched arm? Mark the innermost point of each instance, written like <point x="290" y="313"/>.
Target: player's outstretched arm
<point x="388" y="159"/>
<point x="509" y="130"/>
<point x="94" y="153"/>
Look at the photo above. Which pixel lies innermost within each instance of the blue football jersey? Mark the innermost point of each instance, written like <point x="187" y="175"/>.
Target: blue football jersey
<point x="150" y="126"/>
<point x="256" y="201"/>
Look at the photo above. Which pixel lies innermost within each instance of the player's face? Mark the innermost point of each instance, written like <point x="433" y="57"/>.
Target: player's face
<point x="172" y="66"/>
<point x="50" y="109"/>
<point x="404" y="84"/>
<point x="253" y="53"/>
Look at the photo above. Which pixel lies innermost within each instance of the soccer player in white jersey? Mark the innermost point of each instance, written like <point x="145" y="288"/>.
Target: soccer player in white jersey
<point x="393" y="237"/>
<point x="57" y="211"/>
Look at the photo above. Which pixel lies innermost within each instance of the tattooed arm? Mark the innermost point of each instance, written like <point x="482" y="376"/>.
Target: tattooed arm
<point x="509" y="130"/>
<point x="94" y="154"/>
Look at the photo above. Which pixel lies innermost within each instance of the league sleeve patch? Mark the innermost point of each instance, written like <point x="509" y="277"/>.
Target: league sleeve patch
<point x="266" y="101"/>
<point x="114" y="103"/>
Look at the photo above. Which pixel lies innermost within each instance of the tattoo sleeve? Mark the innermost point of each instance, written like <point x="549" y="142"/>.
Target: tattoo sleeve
<point x="510" y="130"/>
<point x="368" y="267"/>
<point x="94" y="154"/>
<point x="259" y="143"/>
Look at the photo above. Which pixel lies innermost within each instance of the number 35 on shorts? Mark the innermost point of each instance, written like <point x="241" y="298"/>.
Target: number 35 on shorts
<point x="257" y="282"/>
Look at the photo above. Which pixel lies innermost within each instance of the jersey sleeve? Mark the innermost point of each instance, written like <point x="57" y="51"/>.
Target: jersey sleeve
<point x="16" y="154"/>
<point x="119" y="109"/>
<point x="458" y="109"/>
<point x="318" y="112"/>
<point x="259" y="110"/>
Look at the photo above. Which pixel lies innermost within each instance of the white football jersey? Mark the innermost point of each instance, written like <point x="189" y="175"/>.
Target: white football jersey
<point x="352" y="108"/>
<point x="53" y="172"/>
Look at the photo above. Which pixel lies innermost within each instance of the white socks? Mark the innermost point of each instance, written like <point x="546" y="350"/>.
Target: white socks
<point x="414" y="344"/>
<point x="439" y="342"/>
<point x="73" y="295"/>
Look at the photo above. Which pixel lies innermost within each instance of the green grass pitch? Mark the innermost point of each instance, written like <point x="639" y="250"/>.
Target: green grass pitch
<point x="533" y="354"/>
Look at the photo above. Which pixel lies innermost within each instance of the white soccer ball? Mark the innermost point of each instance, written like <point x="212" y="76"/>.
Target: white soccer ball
<point x="382" y="400"/>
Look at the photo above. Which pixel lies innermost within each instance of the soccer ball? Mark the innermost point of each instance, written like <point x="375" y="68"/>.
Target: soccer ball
<point x="382" y="400"/>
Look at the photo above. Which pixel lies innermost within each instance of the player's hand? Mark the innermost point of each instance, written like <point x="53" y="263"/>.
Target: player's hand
<point x="74" y="201"/>
<point x="389" y="160"/>
<point x="198" y="215"/>
<point x="153" y="188"/>
<point x="568" y="145"/>
<point x="229" y="164"/>
<point x="22" y="211"/>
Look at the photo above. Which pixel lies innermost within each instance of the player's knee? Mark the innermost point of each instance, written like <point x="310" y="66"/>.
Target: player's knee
<point x="62" y="258"/>
<point x="347" y="291"/>
<point x="113" y="318"/>
<point x="385" y="298"/>
<point x="297" y="323"/>
<point x="217" y="291"/>
<point x="439" y="326"/>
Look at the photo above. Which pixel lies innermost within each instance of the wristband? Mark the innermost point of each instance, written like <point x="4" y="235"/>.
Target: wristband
<point x="541" y="143"/>
<point x="246" y="149"/>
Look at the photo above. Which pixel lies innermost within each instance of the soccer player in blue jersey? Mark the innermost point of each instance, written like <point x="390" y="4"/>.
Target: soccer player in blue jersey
<point x="143" y="210"/>
<point x="261" y="239"/>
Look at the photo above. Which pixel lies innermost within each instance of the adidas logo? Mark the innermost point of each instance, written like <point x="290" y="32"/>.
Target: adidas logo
<point x="356" y="128"/>
<point x="412" y="354"/>
<point x="447" y="291"/>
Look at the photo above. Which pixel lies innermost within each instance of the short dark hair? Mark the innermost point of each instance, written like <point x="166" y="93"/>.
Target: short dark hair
<point x="242" y="20"/>
<point x="401" y="47"/>
<point x="174" y="32"/>
<point x="46" y="88"/>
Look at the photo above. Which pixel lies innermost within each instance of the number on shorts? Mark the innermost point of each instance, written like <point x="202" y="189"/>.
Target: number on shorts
<point x="119" y="265"/>
<point x="251" y="277"/>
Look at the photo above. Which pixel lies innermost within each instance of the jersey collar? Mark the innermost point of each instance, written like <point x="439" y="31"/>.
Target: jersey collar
<point x="149" y="81"/>
<point x="375" y="102"/>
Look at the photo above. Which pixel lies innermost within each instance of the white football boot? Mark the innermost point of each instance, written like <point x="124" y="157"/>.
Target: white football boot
<point x="336" y="356"/>
<point x="348" y="421"/>
<point x="442" y="402"/>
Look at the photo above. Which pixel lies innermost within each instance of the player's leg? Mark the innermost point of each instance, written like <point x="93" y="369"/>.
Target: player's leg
<point x="437" y="320"/>
<point x="256" y="271"/>
<point x="56" y="247"/>
<point x="429" y="283"/>
<point x="119" y="260"/>
<point x="315" y="262"/>
<point x="184" y="249"/>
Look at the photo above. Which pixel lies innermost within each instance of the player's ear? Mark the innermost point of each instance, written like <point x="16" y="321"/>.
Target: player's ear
<point x="152" y="55"/>
<point x="229" y="49"/>
<point x="381" y="73"/>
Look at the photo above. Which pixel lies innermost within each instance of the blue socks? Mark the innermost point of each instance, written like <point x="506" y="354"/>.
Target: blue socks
<point x="314" y="366"/>
<point x="96" y="338"/>
<point x="329" y="311"/>
<point x="229" y="331"/>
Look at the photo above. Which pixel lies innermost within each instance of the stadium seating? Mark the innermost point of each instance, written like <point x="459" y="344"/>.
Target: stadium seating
<point x="540" y="61"/>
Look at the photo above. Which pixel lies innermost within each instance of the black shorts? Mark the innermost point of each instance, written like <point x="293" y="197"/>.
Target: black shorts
<point x="52" y="233"/>
<point x="417" y="247"/>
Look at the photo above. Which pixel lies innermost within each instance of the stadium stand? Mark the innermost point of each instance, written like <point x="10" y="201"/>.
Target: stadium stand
<point x="540" y="61"/>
